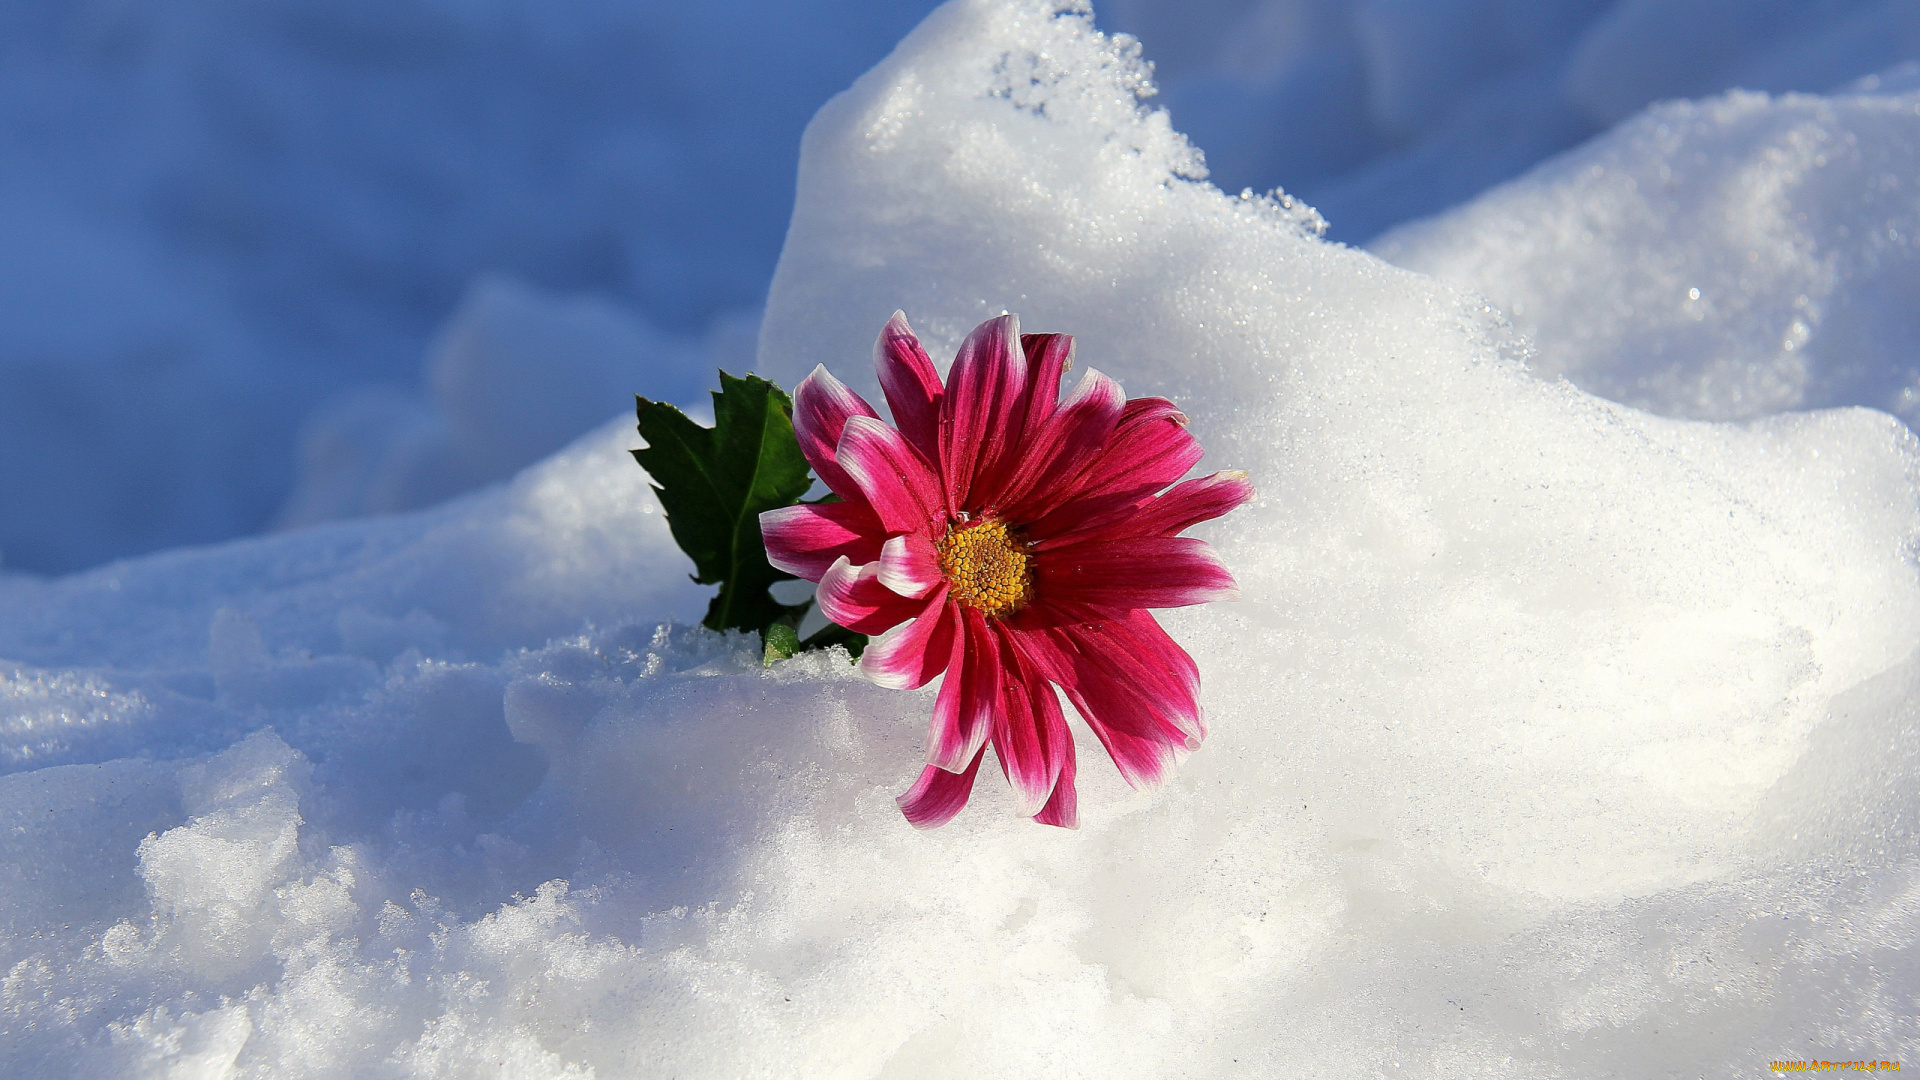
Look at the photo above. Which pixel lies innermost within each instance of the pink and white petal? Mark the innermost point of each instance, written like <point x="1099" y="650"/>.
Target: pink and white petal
<point x="1078" y="512"/>
<point x="1048" y="358"/>
<point x="1135" y="653"/>
<point x="1150" y="449"/>
<point x="854" y="598"/>
<point x="1018" y="742"/>
<point x="1201" y="499"/>
<point x="969" y="698"/>
<point x="807" y="538"/>
<point x="938" y="795"/>
<point x="910" y="655"/>
<point x="1041" y="613"/>
<point x="822" y="405"/>
<point x="983" y="408"/>
<point x="1141" y="744"/>
<point x="1067" y="444"/>
<point x="1030" y="737"/>
<point x="911" y="384"/>
<point x="1184" y="505"/>
<point x="1151" y="445"/>
<point x="909" y="565"/>
<point x="1122" y="670"/>
<point x="889" y="475"/>
<point x="1144" y="763"/>
<point x="1144" y="572"/>
<point x="1063" y="806"/>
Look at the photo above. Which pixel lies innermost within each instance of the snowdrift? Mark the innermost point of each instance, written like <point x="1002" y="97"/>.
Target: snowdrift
<point x="1551" y="737"/>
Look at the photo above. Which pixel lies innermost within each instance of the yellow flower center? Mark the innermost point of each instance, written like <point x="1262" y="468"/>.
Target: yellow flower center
<point x="986" y="566"/>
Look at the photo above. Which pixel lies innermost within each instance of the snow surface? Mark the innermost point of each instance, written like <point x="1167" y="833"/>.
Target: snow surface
<point x="1723" y="259"/>
<point x="1552" y="737"/>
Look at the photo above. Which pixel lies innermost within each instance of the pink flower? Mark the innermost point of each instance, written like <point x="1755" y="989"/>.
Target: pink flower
<point x="1012" y="540"/>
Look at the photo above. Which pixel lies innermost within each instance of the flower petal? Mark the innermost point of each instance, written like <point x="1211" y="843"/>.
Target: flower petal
<point x="1048" y="358"/>
<point x="1150" y="449"/>
<point x="912" y="385"/>
<point x="982" y="412"/>
<point x="889" y="475"/>
<point x="909" y="565"/>
<point x="805" y="539"/>
<point x="855" y="598"/>
<point x="1143" y="572"/>
<point x="1142" y="760"/>
<point x="821" y="406"/>
<point x="1143" y="763"/>
<point x="938" y="795"/>
<point x="1065" y="446"/>
<point x="1184" y="505"/>
<point x="1030" y="736"/>
<point x="963" y="713"/>
<point x="909" y="656"/>
<point x="1123" y="666"/>
<point x="1144" y="658"/>
<point x="1063" y="806"/>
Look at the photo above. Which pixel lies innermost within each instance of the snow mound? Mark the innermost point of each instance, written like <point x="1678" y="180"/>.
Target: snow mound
<point x="1722" y="259"/>
<point x="1551" y="737"/>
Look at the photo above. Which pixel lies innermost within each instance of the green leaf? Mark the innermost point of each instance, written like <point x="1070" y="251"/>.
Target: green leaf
<point x="782" y="641"/>
<point x="714" y="482"/>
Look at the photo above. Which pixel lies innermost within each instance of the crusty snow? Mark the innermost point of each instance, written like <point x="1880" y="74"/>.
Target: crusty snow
<point x="1565" y="727"/>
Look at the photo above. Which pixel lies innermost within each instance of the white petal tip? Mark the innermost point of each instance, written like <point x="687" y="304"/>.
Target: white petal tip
<point x="880" y="677"/>
<point x="1028" y="807"/>
<point x="905" y="586"/>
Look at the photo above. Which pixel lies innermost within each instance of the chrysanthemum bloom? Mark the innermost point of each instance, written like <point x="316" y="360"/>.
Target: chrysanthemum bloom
<point x="1012" y="540"/>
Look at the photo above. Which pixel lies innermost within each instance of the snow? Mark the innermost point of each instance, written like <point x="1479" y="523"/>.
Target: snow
<point x="1723" y="259"/>
<point x="1554" y="735"/>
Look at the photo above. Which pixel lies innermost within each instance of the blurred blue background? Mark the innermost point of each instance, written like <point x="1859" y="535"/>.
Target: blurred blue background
<point x="270" y="263"/>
